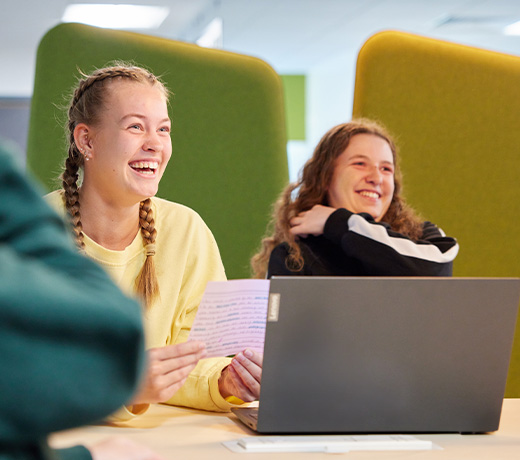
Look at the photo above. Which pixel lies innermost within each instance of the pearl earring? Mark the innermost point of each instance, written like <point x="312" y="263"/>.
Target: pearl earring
<point x="86" y="154"/>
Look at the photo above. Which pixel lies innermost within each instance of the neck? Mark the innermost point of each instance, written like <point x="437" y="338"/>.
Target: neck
<point x="109" y="224"/>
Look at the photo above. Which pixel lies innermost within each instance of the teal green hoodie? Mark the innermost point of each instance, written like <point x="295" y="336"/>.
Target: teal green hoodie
<point x="71" y="344"/>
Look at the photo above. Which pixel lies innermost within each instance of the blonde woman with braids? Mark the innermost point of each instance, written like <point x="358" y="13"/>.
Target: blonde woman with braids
<point x="346" y="215"/>
<point x="119" y="139"/>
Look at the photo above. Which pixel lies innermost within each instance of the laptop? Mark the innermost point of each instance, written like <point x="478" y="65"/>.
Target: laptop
<point x="385" y="355"/>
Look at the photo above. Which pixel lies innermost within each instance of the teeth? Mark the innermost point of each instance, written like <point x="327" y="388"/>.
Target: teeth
<point x="145" y="165"/>
<point x="369" y="194"/>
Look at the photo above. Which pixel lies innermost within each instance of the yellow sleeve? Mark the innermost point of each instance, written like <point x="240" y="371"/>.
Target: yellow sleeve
<point x="201" y="389"/>
<point x="126" y="414"/>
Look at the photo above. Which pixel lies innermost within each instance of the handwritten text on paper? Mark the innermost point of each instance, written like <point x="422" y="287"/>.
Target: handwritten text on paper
<point x="232" y="316"/>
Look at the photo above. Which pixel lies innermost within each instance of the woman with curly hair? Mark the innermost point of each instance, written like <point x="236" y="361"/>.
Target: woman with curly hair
<point x="346" y="215"/>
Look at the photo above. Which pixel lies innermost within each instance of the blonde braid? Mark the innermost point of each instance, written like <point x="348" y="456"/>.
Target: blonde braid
<point x="71" y="199"/>
<point x="69" y="179"/>
<point x="146" y="282"/>
<point x="78" y="111"/>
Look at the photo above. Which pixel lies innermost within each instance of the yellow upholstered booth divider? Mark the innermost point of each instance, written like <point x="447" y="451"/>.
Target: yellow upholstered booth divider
<point x="229" y="158"/>
<point x="455" y="112"/>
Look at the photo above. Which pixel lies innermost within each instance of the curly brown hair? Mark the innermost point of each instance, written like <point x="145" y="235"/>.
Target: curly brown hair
<point x="86" y="104"/>
<point x="312" y="187"/>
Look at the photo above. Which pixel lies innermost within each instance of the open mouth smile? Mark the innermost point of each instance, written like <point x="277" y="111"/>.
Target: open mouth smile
<point x="370" y="194"/>
<point x="145" y="167"/>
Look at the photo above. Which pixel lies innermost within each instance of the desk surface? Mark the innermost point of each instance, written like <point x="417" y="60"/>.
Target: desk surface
<point x="178" y="433"/>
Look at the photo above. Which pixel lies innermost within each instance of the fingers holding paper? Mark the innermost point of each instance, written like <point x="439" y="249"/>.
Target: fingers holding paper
<point x="168" y="369"/>
<point x="248" y="365"/>
<point x="243" y="376"/>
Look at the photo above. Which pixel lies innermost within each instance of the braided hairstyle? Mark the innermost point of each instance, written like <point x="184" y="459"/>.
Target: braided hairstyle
<point x="312" y="187"/>
<point x="86" y="105"/>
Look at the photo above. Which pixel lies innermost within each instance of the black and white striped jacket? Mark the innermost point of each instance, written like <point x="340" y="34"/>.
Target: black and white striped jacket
<point x="356" y="245"/>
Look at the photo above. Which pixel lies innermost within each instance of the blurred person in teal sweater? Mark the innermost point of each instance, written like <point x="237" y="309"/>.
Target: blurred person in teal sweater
<point x="71" y="344"/>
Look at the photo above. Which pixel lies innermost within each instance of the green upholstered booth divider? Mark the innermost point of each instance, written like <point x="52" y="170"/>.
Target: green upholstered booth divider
<point x="228" y="126"/>
<point x="455" y="112"/>
<point x="294" y="91"/>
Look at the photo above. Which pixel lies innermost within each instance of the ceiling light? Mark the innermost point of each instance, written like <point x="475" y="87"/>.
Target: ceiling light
<point x="212" y="35"/>
<point x="512" y="29"/>
<point x="116" y="16"/>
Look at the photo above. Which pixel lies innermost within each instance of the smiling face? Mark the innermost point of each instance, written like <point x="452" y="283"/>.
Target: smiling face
<point x="363" y="178"/>
<point x="130" y="144"/>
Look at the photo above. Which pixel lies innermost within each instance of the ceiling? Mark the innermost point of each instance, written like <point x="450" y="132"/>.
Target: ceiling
<point x="294" y="36"/>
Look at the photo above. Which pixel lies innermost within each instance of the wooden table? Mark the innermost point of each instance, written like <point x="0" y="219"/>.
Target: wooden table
<point x="178" y="433"/>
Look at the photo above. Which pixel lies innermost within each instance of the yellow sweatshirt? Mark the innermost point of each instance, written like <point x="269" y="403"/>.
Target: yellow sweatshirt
<point x="186" y="258"/>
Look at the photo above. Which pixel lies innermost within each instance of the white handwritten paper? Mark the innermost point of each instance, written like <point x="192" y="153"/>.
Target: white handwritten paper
<point x="232" y="316"/>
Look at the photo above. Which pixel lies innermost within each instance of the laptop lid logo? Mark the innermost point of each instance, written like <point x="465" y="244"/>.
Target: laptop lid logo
<point x="273" y="307"/>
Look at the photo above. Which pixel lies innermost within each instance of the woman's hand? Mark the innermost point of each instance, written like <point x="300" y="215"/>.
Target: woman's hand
<point x="242" y="377"/>
<point x="168" y="368"/>
<point x="311" y="222"/>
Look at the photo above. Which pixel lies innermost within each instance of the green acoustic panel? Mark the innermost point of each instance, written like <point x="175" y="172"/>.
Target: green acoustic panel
<point x="294" y="92"/>
<point x="229" y="139"/>
<point x="454" y="111"/>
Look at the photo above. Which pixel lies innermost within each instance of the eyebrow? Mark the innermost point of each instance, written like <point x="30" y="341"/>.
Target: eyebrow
<point x="137" y="115"/>
<point x="366" y="157"/>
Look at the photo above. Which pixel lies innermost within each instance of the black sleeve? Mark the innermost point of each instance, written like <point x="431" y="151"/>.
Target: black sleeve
<point x="277" y="265"/>
<point x="383" y="252"/>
